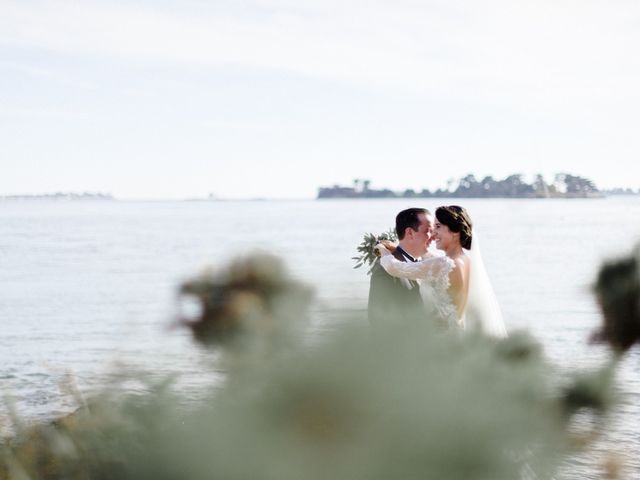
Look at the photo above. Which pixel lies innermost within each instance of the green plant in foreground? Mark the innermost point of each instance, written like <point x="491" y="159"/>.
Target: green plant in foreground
<point x="405" y="403"/>
<point x="617" y="290"/>
<point x="253" y="298"/>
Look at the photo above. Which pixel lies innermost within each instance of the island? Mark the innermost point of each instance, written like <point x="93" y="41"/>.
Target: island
<point x="60" y="196"/>
<point x="564" y="185"/>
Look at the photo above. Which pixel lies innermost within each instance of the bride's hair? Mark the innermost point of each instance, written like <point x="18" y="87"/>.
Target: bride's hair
<point x="458" y="221"/>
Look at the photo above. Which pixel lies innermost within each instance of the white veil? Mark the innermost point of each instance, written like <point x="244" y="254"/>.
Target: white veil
<point x="483" y="311"/>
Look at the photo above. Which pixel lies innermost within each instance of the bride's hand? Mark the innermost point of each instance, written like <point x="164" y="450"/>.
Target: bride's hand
<point x="384" y="247"/>
<point x="389" y="245"/>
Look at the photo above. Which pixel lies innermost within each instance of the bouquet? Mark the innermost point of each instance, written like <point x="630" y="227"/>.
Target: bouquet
<point x="368" y="255"/>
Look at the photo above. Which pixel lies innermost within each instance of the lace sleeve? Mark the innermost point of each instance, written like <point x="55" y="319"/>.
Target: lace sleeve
<point x="429" y="269"/>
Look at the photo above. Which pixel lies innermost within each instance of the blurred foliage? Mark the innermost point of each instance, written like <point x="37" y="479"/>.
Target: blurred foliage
<point x="407" y="403"/>
<point x="252" y="299"/>
<point x="617" y="290"/>
<point x="368" y="256"/>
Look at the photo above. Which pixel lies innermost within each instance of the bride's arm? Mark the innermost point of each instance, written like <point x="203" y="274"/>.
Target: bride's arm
<point x="424" y="269"/>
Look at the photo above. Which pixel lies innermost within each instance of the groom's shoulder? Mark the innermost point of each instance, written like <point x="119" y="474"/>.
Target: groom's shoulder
<point x="379" y="274"/>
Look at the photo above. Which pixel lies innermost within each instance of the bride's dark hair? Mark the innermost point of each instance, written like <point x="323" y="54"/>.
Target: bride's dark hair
<point x="458" y="221"/>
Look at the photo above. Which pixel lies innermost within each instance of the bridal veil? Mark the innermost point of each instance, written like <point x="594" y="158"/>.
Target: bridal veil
<point x="483" y="310"/>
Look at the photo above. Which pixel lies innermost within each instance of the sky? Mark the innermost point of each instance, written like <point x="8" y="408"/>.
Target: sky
<point x="164" y="99"/>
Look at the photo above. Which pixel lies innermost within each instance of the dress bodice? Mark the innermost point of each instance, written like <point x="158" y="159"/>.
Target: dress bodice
<point x="433" y="276"/>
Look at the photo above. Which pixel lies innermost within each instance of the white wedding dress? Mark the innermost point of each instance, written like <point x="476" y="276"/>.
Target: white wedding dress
<point x="481" y="312"/>
<point x="432" y="273"/>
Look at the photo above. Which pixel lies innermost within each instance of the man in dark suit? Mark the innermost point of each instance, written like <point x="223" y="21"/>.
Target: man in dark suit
<point x="396" y="301"/>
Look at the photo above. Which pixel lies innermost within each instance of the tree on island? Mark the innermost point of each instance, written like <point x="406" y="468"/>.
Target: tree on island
<point x="576" y="185"/>
<point x="564" y="185"/>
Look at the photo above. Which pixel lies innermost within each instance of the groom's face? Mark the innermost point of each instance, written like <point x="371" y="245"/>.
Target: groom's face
<point x="426" y="230"/>
<point x="418" y="241"/>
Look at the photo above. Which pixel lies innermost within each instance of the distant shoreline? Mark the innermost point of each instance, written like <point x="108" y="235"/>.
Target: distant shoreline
<point x="91" y="198"/>
<point x="564" y="185"/>
<point x="488" y="197"/>
<point x="59" y="196"/>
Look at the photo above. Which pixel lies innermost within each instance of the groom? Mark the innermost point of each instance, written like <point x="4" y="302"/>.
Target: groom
<point x="396" y="301"/>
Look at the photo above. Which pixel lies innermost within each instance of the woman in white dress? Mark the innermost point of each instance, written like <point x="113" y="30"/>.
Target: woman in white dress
<point x="454" y="286"/>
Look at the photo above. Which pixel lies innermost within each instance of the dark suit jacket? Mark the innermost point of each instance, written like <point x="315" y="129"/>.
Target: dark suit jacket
<point x="394" y="301"/>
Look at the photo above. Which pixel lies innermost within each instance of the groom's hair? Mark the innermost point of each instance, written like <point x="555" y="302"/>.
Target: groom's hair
<point x="409" y="219"/>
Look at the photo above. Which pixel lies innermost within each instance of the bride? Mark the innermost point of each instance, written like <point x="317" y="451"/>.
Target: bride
<point x="455" y="286"/>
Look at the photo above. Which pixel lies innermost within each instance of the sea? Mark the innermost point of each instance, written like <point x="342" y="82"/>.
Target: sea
<point x="89" y="286"/>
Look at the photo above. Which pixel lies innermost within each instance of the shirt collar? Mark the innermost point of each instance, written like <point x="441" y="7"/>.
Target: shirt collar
<point x="406" y="255"/>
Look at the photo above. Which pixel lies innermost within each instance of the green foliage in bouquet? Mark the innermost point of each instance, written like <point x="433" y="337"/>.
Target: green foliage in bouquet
<point x="368" y="255"/>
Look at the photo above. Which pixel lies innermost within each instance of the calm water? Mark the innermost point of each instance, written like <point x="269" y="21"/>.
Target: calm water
<point x="86" y="285"/>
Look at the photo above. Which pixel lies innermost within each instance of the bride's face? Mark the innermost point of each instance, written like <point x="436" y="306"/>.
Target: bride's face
<point x="442" y="235"/>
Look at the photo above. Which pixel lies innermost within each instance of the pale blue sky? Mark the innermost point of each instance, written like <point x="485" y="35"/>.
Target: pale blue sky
<point x="273" y="98"/>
